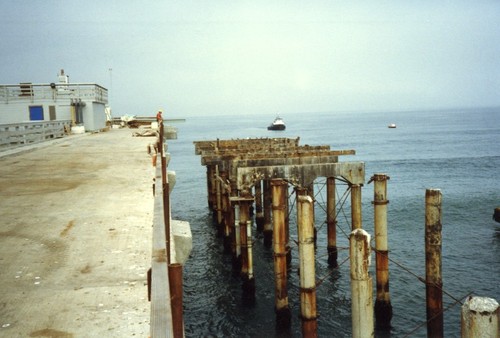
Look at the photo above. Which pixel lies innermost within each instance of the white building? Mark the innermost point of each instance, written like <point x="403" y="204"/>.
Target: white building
<point x="84" y="104"/>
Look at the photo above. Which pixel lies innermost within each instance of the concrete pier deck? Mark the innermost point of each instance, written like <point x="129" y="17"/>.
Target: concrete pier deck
<point x="75" y="237"/>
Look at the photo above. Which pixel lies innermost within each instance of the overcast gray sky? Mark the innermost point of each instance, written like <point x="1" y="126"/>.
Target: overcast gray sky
<point x="259" y="57"/>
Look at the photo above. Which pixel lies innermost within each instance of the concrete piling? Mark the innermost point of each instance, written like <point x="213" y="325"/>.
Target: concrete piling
<point x="480" y="318"/>
<point x="268" y="224"/>
<point x="236" y="237"/>
<point x="433" y="271"/>
<point x="279" y="195"/>
<point x="361" y="284"/>
<point x="259" y="213"/>
<point x="383" y="307"/>
<point x="246" y="246"/>
<point x="218" y="201"/>
<point x="331" y="221"/>
<point x="307" y="266"/>
<point x="356" y="206"/>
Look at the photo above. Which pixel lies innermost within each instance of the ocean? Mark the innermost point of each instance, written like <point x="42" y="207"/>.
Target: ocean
<point x="455" y="150"/>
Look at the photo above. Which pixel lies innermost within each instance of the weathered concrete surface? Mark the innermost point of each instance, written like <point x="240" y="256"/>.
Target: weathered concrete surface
<point x="75" y="238"/>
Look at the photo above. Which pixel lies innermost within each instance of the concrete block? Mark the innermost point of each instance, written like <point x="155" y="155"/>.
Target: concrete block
<point x="183" y="241"/>
<point x="171" y="180"/>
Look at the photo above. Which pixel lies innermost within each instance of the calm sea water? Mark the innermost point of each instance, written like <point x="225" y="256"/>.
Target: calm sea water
<point x="457" y="151"/>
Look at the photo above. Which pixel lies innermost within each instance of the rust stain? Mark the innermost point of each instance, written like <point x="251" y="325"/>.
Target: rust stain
<point x="160" y="255"/>
<point x="51" y="333"/>
<point x="67" y="228"/>
<point x="86" y="269"/>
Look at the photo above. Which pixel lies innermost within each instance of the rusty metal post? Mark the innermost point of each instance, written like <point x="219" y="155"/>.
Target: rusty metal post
<point x="361" y="284"/>
<point x="279" y="192"/>
<point x="165" y="192"/>
<point x="287" y="230"/>
<point x="236" y="237"/>
<point x="226" y="221"/>
<point x="480" y="318"/>
<point x="218" y="203"/>
<point x="246" y="247"/>
<point x="433" y="272"/>
<point x="268" y="224"/>
<point x="210" y="187"/>
<point x="331" y="221"/>
<point x="175" y="283"/>
<point x="259" y="214"/>
<point x="307" y="266"/>
<point x="383" y="307"/>
<point x="356" y="206"/>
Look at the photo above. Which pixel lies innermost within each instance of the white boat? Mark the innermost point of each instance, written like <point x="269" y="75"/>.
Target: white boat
<point x="392" y="125"/>
<point x="278" y="124"/>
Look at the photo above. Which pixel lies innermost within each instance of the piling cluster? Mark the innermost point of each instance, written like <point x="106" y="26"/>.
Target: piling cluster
<point x="253" y="176"/>
<point x="244" y="173"/>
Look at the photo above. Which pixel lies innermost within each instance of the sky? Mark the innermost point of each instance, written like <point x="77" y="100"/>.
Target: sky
<point x="193" y="58"/>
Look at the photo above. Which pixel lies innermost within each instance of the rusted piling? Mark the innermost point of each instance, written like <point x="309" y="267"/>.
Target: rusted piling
<point x="227" y="222"/>
<point x="331" y="221"/>
<point x="210" y="185"/>
<point x="433" y="272"/>
<point x="480" y="318"/>
<point x="268" y="224"/>
<point x="279" y="192"/>
<point x="307" y="266"/>
<point x="246" y="246"/>
<point x="259" y="214"/>
<point x="356" y="206"/>
<point x="236" y="238"/>
<point x="175" y="282"/>
<point x="361" y="284"/>
<point x="218" y="201"/>
<point x="383" y="307"/>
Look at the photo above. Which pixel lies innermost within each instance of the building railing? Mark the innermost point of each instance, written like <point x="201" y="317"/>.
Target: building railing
<point x="20" y="134"/>
<point x="53" y="91"/>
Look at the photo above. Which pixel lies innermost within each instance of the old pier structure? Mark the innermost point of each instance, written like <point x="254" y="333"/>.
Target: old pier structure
<point x="244" y="173"/>
<point x="253" y="176"/>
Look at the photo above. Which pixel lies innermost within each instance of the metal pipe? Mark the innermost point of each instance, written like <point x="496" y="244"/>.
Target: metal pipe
<point x="361" y="284"/>
<point x="383" y="307"/>
<point x="279" y="190"/>
<point x="331" y="221"/>
<point x="175" y="283"/>
<point x="433" y="271"/>
<point x="165" y="193"/>
<point x="307" y="266"/>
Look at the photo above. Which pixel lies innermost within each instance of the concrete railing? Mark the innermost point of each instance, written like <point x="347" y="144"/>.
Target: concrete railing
<point x="19" y="134"/>
<point x="53" y="91"/>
